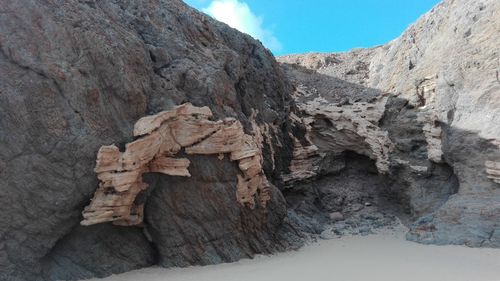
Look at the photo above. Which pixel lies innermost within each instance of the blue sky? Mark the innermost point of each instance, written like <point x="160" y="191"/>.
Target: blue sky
<point x="301" y="26"/>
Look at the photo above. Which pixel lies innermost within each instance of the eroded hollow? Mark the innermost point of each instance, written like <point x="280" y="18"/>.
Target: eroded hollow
<point x="352" y="197"/>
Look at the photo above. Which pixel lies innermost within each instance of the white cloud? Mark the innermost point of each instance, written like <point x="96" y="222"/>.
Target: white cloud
<point x="238" y="15"/>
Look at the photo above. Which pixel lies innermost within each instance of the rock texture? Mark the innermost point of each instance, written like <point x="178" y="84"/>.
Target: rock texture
<point x="493" y="170"/>
<point x="232" y="154"/>
<point x="161" y="137"/>
<point x="77" y="75"/>
<point x="442" y="114"/>
<point x="350" y="127"/>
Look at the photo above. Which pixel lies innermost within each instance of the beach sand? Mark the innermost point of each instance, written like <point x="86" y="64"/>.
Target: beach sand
<point x="385" y="256"/>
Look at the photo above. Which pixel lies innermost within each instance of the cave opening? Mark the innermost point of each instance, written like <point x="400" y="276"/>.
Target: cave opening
<point x="354" y="198"/>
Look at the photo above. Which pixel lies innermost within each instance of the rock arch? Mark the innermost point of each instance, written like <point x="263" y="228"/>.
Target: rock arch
<point x="160" y="138"/>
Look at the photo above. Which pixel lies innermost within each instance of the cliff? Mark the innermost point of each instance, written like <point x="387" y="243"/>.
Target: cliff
<point x="76" y="76"/>
<point x="441" y="88"/>
<point x="140" y="133"/>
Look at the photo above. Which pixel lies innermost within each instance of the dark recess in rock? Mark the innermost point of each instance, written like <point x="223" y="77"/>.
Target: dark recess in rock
<point x="76" y="75"/>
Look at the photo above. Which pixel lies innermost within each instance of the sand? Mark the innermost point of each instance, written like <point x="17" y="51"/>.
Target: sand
<point x="385" y="256"/>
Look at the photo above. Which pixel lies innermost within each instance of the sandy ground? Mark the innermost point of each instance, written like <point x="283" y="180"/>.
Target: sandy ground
<point x="385" y="257"/>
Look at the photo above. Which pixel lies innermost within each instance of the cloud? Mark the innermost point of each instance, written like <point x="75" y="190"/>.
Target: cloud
<point x="238" y="15"/>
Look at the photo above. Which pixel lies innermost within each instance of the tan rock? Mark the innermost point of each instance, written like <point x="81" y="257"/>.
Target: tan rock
<point x="493" y="170"/>
<point x="162" y="136"/>
<point x="188" y="130"/>
<point x="433" y="135"/>
<point x="148" y="124"/>
<point x="304" y="164"/>
<point x="227" y="139"/>
<point x="170" y="166"/>
<point x="108" y="159"/>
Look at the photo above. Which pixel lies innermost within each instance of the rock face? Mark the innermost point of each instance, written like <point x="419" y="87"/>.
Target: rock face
<point x="161" y="137"/>
<point x="77" y="75"/>
<point x="442" y="113"/>
<point x="220" y="153"/>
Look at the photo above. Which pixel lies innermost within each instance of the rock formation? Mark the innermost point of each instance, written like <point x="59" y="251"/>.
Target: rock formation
<point x="442" y="114"/>
<point x="77" y="76"/>
<point x="161" y="137"/>
<point x="493" y="170"/>
<point x="233" y="154"/>
<point x="333" y="129"/>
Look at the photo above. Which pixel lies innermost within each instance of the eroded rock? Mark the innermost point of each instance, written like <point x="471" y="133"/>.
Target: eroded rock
<point x="493" y="170"/>
<point x="434" y="134"/>
<point x="442" y="115"/>
<point x="333" y="128"/>
<point x="161" y="136"/>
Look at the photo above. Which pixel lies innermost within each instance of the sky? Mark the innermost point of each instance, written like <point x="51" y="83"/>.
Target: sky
<point x="302" y="26"/>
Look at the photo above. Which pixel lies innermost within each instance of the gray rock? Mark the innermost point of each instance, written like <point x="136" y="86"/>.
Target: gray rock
<point x="336" y="216"/>
<point x="328" y="234"/>
<point x="442" y="116"/>
<point x="356" y="207"/>
<point x="339" y="226"/>
<point x="365" y="230"/>
<point x="77" y="76"/>
<point x="197" y="221"/>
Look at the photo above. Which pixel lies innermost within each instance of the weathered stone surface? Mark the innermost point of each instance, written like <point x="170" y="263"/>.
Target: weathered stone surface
<point x="443" y="106"/>
<point x="198" y="221"/>
<point x="304" y="164"/>
<point x="493" y="170"/>
<point x="86" y="252"/>
<point x="434" y="138"/>
<point x="77" y="75"/>
<point x="120" y="173"/>
<point x="337" y="128"/>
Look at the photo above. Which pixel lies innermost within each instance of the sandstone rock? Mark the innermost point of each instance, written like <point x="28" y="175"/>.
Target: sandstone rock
<point x="336" y="128"/>
<point x="304" y="164"/>
<point x="80" y="74"/>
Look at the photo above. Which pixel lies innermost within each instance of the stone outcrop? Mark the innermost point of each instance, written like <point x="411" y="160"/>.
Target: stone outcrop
<point x="304" y="164"/>
<point x="442" y="115"/>
<point x="351" y="127"/>
<point x="493" y="170"/>
<point x="434" y="137"/>
<point x="160" y="138"/>
<point x="333" y="128"/>
<point x="407" y="128"/>
<point x="78" y="75"/>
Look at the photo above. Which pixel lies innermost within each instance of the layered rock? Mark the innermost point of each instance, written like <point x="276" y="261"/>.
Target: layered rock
<point x="434" y="137"/>
<point x="333" y="128"/>
<point x="442" y="112"/>
<point x="161" y="137"/>
<point x="493" y="170"/>
<point x="349" y="127"/>
<point x="77" y="76"/>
